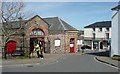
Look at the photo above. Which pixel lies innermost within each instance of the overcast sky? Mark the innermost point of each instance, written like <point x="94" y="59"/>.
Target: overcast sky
<point x="77" y="14"/>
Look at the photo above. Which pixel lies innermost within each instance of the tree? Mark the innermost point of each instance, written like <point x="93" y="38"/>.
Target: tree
<point x="10" y="12"/>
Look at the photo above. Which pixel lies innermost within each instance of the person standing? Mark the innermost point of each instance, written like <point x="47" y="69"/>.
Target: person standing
<point x="37" y="49"/>
<point x="41" y="51"/>
<point x="31" y="51"/>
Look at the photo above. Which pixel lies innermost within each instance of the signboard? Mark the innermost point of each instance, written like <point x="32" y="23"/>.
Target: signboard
<point x="57" y="42"/>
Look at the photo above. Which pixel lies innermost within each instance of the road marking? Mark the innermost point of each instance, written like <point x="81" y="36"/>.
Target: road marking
<point x="106" y="64"/>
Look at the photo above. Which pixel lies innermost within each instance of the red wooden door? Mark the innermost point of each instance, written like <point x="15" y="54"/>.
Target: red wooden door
<point x="71" y="47"/>
<point x="10" y="47"/>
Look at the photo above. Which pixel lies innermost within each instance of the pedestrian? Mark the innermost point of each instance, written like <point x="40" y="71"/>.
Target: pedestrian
<point x="37" y="49"/>
<point x="31" y="51"/>
<point x="83" y="50"/>
<point x="41" y="51"/>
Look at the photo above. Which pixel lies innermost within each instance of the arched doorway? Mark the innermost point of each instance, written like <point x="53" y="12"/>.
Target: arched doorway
<point x="72" y="45"/>
<point x="10" y="47"/>
<point x="35" y="36"/>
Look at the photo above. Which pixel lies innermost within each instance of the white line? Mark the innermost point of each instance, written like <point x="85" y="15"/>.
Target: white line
<point x="106" y="64"/>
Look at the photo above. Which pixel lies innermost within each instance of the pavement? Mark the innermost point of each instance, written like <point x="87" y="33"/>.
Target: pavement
<point x="109" y="61"/>
<point x="103" y="57"/>
<point x="48" y="58"/>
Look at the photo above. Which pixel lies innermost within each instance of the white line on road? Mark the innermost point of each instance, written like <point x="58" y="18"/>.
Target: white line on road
<point x="106" y="64"/>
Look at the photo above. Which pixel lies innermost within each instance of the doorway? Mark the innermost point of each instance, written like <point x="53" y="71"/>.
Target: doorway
<point x="101" y="45"/>
<point x="34" y="41"/>
<point x="72" y="45"/>
<point x="10" y="47"/>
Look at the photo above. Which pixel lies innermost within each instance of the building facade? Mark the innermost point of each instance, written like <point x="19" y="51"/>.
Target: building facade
<point x="55" y="34"/>
<point x="115" y="45"/>
<point x="97" y="35"/>
<point x="80" y="39"/>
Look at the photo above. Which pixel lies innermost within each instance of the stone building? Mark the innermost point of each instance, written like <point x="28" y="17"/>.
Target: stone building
<point x="56" y="35"/>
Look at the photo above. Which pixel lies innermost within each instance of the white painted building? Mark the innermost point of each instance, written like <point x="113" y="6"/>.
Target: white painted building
<point x="115" y="45"/>
<point x="98" y="34"/>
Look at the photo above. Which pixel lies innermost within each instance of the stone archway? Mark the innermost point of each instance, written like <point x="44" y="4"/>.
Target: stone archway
<point x="42" y="32"/>
<point x="36" y="35"/>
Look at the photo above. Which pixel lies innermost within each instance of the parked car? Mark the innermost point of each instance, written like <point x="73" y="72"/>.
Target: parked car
<point x="86" y="47"/>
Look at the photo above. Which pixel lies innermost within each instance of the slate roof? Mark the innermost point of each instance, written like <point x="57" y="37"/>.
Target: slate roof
<point x="54" y="23"/>
<point x="58" y="24"/>
<point x="116" y="8"/>
<point x="15" y="24"/>
<point x="99" y="24"/>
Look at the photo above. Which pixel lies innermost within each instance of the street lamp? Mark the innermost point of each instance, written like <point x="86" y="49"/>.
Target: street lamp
<point x="22" y="34"/>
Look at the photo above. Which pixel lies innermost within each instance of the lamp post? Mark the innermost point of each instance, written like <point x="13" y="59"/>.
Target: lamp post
<point x="22" y="34"/>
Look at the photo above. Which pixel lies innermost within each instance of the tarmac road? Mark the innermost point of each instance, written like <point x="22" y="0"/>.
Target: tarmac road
<point x="70" y="63"/>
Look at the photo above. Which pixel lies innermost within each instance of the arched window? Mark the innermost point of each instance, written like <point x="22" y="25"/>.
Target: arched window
<point x="37" y="31"/>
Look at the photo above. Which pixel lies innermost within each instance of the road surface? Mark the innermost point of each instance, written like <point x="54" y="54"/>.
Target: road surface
<point x="70" y="63"/>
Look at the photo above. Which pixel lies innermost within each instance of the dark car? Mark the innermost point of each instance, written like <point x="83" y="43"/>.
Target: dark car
<point x="86" y="47"/>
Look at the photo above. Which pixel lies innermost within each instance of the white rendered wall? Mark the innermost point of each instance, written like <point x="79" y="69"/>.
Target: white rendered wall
<point x="114" y="39"/>
<point x="99" y="34"/>
<point x="88" y="32"/>
<point x="119" y="34"/>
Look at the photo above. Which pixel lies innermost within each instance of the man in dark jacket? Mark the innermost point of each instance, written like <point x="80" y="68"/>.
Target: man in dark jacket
<point x="41" y="50"/>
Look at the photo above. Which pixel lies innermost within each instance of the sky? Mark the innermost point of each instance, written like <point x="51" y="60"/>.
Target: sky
<point x="77" y="14"/>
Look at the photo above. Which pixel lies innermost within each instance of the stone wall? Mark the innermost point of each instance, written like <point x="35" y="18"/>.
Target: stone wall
<point x="53" y="48"/>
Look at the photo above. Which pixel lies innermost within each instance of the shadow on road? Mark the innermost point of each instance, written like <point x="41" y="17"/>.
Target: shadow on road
<point x="101" y="53"/>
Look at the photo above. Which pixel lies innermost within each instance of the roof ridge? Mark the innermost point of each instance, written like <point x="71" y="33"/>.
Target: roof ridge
<point x="68" y="24"/>
<point x="50" y="17"/>
<point x="62" y="23"/>
<point x="99" y="24"/>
